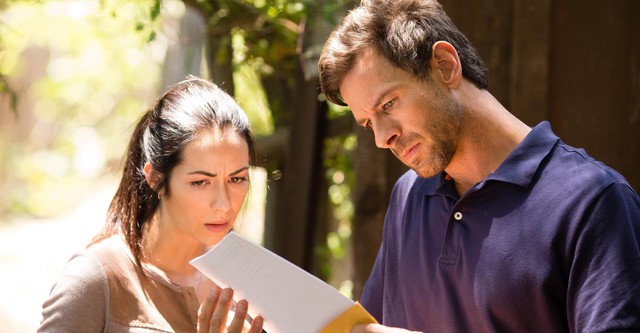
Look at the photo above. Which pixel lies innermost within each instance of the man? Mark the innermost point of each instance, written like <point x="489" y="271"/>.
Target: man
<point x="498" y="227"/>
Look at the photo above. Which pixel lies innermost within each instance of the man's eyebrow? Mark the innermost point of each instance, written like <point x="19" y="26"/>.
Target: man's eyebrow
<point x="384" y="95"/>
<point x="379" y="100"/>
<point x="376" y="103"/>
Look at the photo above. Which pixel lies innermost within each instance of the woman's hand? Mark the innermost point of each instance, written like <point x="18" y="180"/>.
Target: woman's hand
<point x="376" y="328"/>
<point x="213" y="313"/>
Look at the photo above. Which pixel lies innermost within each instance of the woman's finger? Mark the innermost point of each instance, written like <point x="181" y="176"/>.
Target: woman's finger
<point x="256" y="325"/>
<point x="218" y="321"/>
<point x="239" y="318"/>
<point x="206" y="310"/>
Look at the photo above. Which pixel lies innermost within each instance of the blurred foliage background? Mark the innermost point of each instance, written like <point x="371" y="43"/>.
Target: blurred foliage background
<point x="76" y="76"/>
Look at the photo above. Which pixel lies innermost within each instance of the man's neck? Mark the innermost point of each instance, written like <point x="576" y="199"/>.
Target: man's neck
<point x="489" y="134"/>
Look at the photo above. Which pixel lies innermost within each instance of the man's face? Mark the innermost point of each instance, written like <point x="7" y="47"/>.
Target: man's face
<point x="417" y="120"/>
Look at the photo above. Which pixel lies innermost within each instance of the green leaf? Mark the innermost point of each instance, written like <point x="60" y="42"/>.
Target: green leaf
<point x="14" y="103"/>
<point x="155" y="10"/>
<point x="152" y="36"/>
<point x="13" y="96"/>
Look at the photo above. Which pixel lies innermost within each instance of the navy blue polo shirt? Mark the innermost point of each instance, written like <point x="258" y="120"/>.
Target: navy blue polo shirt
<point x="549" y="242"/>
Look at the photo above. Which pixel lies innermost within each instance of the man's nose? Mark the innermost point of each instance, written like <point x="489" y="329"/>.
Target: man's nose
<point x="385" y="134"/>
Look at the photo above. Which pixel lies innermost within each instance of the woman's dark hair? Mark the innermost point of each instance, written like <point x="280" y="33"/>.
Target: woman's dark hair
<point x="159" y="138"/>
<point x="403" y="31"/>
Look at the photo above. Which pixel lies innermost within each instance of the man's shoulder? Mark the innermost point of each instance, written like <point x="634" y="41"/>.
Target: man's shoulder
<point x="578" y="166"/>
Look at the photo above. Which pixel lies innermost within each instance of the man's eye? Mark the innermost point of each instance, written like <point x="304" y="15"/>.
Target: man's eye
<point x="387" y="105"/>
<point x="367" y="124"/>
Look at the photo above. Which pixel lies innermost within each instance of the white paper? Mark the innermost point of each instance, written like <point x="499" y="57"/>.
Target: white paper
<point x="289" y="299"/>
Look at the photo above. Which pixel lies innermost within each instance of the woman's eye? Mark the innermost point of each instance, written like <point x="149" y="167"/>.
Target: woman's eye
<point x="198" y="183"/>
<point x="237" y="180"/>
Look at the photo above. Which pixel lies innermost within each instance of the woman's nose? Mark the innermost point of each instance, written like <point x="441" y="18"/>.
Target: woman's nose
<point x="220" y="198"/>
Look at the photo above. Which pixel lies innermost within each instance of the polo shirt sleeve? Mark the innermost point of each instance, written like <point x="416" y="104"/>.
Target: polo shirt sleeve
<point x="604" y="287"/>
<point x="372" y="294"/>
<point x="78" y="300"/>
<point x="385" y="267"/>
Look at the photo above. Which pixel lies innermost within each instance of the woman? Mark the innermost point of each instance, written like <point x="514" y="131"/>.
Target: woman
<point x="185" y="178"/>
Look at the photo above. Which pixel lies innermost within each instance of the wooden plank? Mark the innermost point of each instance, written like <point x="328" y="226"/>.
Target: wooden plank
<point x="528" y="91"/>
<point x="488" y="26"/>
<point x="595" y="80"/>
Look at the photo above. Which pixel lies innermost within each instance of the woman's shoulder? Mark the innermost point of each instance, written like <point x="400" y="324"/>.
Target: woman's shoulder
<point x="109" y="249"/>
<point x="85" y="276"/>
<point x="84" y="269"/>
<point x="81" y="291"/>
<point x="116" y="259"/>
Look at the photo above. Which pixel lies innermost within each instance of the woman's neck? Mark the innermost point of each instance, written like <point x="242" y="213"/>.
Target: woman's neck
<point x="169" y="254"/>
<point x="170" y="251"/>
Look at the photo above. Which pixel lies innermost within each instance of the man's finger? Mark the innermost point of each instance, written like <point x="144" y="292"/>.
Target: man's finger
<point x="377" y="328"/>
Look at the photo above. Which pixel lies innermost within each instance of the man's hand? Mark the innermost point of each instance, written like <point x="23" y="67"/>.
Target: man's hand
<point x="377" y="328"/>
<point x="214" y="311"/>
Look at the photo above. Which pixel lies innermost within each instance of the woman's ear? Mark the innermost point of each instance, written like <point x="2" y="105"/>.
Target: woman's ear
<point x="151" y="175"/>
<point x="446" y="64"/>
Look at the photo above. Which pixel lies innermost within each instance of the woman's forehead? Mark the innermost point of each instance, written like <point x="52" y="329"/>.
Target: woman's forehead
<point x="216" y="147"/>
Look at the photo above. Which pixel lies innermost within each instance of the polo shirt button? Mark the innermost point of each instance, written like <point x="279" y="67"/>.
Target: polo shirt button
<point x="457" y="216"/>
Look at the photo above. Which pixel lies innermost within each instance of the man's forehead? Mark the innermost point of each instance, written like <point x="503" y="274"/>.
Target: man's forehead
<point x="371" y="76"/>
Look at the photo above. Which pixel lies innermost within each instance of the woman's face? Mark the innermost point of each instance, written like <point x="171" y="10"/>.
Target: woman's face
<point x="208" y="187"/>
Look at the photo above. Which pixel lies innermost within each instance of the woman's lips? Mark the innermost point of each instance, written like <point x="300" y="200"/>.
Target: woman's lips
<point x="217" y="227"/>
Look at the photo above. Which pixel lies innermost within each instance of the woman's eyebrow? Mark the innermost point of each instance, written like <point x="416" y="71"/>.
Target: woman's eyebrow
<point x="209" y="174"/>
<point x="201" y="172"/>
<point x="239" y="170"/>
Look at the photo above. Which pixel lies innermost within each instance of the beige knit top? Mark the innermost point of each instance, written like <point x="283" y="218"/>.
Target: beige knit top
<point x="101" y="289"/>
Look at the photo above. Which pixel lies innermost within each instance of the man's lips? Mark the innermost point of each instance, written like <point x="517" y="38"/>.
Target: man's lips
<point x="409" y="152"/>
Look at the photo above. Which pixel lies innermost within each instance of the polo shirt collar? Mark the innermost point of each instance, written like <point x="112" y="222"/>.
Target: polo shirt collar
<point x="523" y="163"/>
<point x="518" y="168"/>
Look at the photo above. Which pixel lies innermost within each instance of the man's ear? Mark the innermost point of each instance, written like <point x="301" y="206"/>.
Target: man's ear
<point x="151" y="175"/>
<point x="446" y="64"/>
